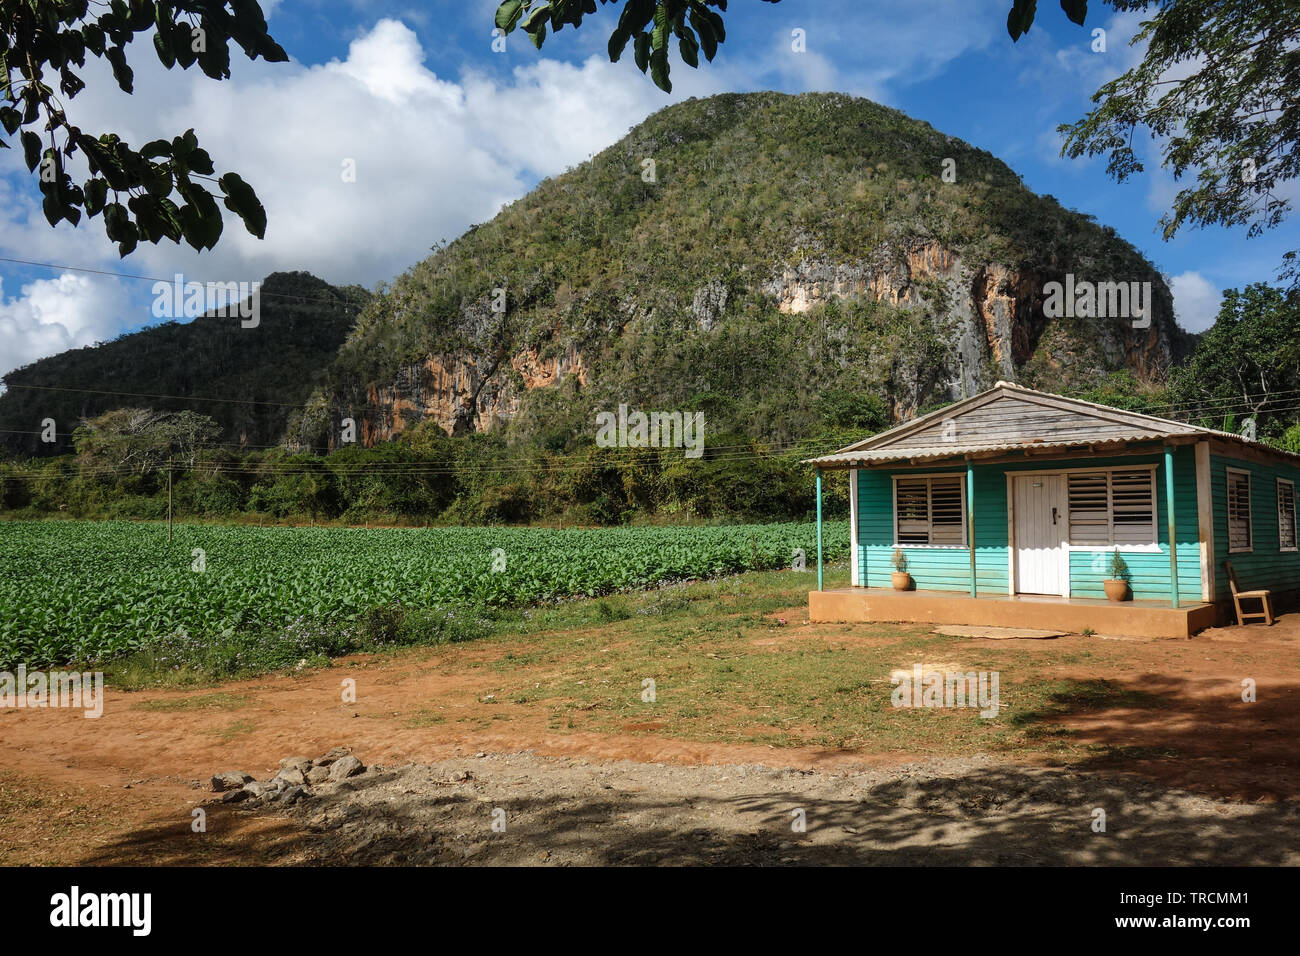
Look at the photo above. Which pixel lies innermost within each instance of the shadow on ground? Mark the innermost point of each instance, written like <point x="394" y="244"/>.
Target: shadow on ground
<point x="991" y="815"/>
<point x="1194" y="734"/>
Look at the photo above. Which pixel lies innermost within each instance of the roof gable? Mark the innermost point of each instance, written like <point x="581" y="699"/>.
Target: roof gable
<point x="1008" y="414"/>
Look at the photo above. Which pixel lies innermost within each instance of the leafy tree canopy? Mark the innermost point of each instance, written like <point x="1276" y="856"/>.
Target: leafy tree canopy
<point x="142" y="439"/>
<point x="1217" y="89"/>
<point x="1249" y="359"/>
<point x="155" y="193"/>
<point x="649" y="25"/>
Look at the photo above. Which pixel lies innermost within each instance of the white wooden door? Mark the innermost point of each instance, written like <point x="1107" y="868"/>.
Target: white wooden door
<point x="1042" y="561"/>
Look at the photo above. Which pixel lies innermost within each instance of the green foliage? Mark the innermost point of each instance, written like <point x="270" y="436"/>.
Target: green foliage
<point x="1123" y="389"/>
<point x="899" y="560"/>
<point x="95" y="592"/>
<point x="650" y="25"/>
<point x="1248" y="362"/>
<point x="1217" y="89"/>
<point x="142" y="440"/>
<point x="39" y="40"/>
<point x="1118" y="567"/>
<point x="1021" y="16"/>
<point x="843" y="409"/>
<point x="665" y="289"/>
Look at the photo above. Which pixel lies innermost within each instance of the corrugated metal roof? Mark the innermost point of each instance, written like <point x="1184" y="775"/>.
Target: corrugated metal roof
<point x="954" y="450"/>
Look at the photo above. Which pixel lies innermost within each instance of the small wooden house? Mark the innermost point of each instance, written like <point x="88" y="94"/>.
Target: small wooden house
<point x="1009" y="505"/>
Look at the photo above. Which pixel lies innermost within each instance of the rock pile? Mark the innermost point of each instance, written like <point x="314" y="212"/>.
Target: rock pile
<point x="294" y="781"/>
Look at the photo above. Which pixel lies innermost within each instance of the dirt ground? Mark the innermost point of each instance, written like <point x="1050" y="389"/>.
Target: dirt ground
<point x="1194" y="776"/>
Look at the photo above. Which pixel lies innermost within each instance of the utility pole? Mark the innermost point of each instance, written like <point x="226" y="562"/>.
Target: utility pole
<point x="169" y="498"/>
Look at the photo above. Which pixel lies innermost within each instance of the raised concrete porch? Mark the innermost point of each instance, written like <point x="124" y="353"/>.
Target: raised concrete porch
<point x="1127" y="618"/>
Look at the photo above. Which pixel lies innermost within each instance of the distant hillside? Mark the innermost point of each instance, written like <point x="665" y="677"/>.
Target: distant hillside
<point x="277" y="364"/>
<point x="743" y="255"/>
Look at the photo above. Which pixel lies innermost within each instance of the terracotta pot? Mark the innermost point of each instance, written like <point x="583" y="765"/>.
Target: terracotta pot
<point x="902" y="581"/>
<point x="1117" y="590"/>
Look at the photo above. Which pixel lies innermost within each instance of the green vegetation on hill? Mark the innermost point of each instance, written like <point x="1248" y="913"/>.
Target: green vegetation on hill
<point x="664" y="286"/>
<point x="249" y="380"/>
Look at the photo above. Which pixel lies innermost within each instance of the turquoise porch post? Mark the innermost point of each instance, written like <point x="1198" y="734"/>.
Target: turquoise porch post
<point x="970" y="521"/>
<point x="1173" y="537"/>
<point x="819" y="529"/>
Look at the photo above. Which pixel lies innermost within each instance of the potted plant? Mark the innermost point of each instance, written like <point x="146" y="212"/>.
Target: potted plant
<point x="1116" y="585"/>
<point x="901" y="579"/>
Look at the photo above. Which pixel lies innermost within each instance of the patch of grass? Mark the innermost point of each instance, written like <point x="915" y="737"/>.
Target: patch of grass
<point x="425" y="718"/>
<point x="1126" y="753"/>
<point x="1042" y="704"/>
<point x="217" y="701"/>
<point x="180" y="659"/>
<point x="16" y="798"/>
<point x="1075" y="696"/>
<point x="238" y="729"/>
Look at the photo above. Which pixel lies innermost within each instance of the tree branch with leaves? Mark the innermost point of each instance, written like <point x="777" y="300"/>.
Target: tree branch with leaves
<point x="1219" y="90"/>
<point x="156" y="190"/>
<point x="649" y="25"/>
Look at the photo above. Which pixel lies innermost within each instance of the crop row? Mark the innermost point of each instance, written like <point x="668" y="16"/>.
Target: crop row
<point x="92" y="591"/>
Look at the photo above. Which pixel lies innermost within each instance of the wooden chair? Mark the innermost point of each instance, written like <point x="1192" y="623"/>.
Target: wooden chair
<point x="1265" y="599"/>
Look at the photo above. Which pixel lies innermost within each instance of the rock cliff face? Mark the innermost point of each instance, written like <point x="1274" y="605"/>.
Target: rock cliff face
<point x="994" y="314"/>
<point x="463" y="393"/>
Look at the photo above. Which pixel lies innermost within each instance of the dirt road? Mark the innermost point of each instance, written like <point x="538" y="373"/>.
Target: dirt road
<point x="1183" y="769"/>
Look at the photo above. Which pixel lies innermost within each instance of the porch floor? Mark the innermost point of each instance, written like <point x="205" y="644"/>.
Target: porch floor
<point x="1126" y="618"/>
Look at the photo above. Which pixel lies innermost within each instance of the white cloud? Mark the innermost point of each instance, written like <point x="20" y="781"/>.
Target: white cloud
<point x="53" y="315"/>
<point x="430" y="157"/>
<point x="1196" y="300"/>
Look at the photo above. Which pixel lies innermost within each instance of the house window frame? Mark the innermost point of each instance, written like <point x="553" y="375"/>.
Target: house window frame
<point x="1295" y="528"/>
<point x="1150" y="547"/>
<point x="1229" y="472"/>
<point x="965" y="519"/>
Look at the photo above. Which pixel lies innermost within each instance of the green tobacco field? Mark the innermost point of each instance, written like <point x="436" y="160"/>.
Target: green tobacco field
<point x="94" y="592"/>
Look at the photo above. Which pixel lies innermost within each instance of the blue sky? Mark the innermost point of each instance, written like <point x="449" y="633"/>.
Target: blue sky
<point x="442" y="130"/>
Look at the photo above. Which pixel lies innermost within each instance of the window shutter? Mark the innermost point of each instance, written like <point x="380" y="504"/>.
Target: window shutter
<point x="1133" y="507"/>
<point x="930" y="510"/>
<point x="913" y="511"/>
<point x="1286" y="533"/>
<point x="1113" y="508"/>
<point x="945" y="511"/>
<point x="1239" y="532"/>
<point x="1089" y="510"/>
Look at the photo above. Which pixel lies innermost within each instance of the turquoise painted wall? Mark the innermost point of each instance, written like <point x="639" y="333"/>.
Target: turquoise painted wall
<point x="1267" y="566"/>
<point x="948" y="569"/>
